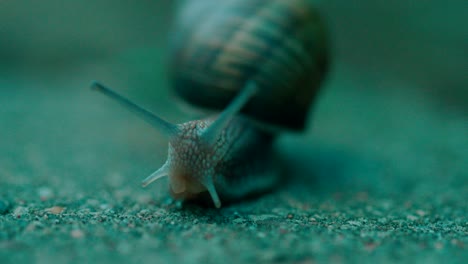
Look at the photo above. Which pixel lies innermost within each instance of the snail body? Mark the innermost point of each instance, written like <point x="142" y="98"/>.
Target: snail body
<point x="222" y="166"/>
<point x="262" y="63"/>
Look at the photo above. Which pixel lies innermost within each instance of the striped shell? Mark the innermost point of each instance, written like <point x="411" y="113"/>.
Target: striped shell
<point x="280" y="44"/>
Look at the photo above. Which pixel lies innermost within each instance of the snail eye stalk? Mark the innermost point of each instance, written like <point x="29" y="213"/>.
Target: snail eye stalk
<point x="211" y="133"/>
<point x="160" y="124"/>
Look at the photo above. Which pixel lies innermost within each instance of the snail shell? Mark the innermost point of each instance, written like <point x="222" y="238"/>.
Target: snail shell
<point x="220" y="45"/>
<point x="255" y="59"/>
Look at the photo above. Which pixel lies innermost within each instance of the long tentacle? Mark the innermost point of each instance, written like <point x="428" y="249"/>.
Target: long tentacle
<point x="154" y="120"/>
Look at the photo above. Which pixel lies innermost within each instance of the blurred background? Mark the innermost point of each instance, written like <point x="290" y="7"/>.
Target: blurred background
<point x="399" y="74"/>
<point x="422" y="43"/>
<point x="388" y="131"/>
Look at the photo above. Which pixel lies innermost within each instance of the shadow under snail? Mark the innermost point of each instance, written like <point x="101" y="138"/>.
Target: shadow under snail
<point x="262" y="62"/>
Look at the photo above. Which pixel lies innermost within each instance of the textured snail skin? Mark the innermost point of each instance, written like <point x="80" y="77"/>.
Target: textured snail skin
<point x="238" y="164"/>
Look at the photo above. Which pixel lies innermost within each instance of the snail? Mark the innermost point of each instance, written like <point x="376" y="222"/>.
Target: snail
<point x="260" y="61"/>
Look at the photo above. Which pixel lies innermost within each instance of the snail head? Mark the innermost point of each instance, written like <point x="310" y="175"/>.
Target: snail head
<point x="195" y="147"/>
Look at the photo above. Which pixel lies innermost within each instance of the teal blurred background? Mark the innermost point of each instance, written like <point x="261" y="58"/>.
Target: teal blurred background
<point x="421" y="43"/>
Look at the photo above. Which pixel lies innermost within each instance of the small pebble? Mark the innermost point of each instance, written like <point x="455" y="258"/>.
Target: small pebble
<point x="412" y="217"/>
<point x="371" y="246"/>
<point x="19" y="211"/>
<point x="355" y="223"/>
<point x="438" y="245"/>
<point x="104" y="206"/>
<point x="421" y="213"/>
<point x="55" y="209"/>
<point x="77" y="233"/>
<point x="45" y="193"/>
<point x="262" y="217"/>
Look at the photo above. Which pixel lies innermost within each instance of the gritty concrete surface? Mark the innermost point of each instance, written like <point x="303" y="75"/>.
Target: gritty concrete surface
<point x="379" y="176"/>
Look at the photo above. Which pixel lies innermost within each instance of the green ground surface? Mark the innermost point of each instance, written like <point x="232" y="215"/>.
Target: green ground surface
<point x="380" y="175"/>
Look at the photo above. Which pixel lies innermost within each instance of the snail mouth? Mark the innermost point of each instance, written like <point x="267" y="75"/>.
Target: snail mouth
<point x="178" y="184"/>
<point x="184" y="184"/>
<point x="186" y="187"/>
